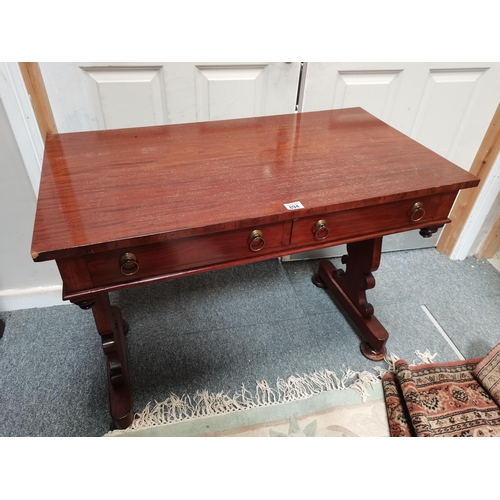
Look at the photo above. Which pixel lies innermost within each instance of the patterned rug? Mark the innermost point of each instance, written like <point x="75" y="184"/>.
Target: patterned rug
<point x="443" y="399"/>
<point x="488" y="373"/>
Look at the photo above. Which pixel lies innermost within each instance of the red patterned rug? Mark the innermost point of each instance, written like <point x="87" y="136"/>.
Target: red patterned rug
<point x="487" y="373"/>
<point x="439" y="400"/>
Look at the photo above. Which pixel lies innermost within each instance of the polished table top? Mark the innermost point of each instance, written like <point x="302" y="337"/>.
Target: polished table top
<point x="151" y="183"/>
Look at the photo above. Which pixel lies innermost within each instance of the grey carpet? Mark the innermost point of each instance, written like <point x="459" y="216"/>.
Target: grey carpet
<point x="224" y="329"/>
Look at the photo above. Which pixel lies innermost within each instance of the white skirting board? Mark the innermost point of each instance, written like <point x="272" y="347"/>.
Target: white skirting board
<point x="28" y="298"/>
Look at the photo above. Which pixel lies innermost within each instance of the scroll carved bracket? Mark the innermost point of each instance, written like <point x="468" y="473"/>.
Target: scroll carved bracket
<point x="360" y="262"/>
<point x="114" y="365"/>
<point x="349" y="288"/>
<point x="112" y="328"/>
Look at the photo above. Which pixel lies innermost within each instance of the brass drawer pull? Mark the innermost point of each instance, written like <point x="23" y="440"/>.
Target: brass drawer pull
<point x="417" y="212"/>
<point x="256" y="241"/>
<point x="322" y="230"/>
<point x="128" y="264"/>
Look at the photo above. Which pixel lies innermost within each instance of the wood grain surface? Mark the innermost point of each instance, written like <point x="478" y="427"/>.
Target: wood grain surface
<point x="153" y="184"/>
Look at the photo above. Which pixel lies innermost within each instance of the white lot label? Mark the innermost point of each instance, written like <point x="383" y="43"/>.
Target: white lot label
<point x="294" y="206"/>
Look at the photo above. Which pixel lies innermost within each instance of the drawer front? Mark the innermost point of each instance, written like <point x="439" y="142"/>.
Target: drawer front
<point x="112" y="267"/>
<point x="390" y="217"/>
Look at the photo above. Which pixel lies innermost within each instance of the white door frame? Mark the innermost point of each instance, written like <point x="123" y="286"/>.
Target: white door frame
<point x="22" y="119"/>
<point x="489" y="192"/>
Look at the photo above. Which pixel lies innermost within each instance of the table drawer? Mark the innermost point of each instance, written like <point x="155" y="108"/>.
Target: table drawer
<point x="135" y="263"/>
<point x="389" y="217"/>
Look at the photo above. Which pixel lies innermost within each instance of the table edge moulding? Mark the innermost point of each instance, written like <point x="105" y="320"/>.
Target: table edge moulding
<point x="121" y="208"/>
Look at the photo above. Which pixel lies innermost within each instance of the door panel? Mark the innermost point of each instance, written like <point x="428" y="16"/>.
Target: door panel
<point x="446" y="121"/>
<point x="125" y="96"/>
<point x="93" y="96"/>
<point x="447" y="107"/>
<point x="234" y="91"/>
<point x="372" y="90"/>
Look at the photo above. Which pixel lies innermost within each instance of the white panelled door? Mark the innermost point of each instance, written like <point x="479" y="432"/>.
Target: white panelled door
<point x="444" y="106"/>
<point x="91" y="96"/>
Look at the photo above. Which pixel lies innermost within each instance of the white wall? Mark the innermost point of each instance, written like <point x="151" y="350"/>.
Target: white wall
<point x="23" y="283"/>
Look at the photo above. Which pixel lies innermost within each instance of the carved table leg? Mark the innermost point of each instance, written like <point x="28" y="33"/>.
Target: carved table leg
<point x="349" y="288"/>
<point x="112" y="328"/>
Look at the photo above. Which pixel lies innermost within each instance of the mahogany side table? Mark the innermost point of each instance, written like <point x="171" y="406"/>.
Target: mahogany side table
<point x="120" y="208"/>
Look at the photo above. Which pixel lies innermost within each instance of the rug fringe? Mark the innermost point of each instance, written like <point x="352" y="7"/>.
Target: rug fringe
<point x="424" y="358"/>
<point x="204" y="404"/>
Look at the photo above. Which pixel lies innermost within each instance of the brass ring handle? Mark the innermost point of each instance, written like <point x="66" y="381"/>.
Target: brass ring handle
<point x="322" y="230"/>
<point x="256" y="241"/>
<point x="417" y="212"/>
<point x="128" y="264"/>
